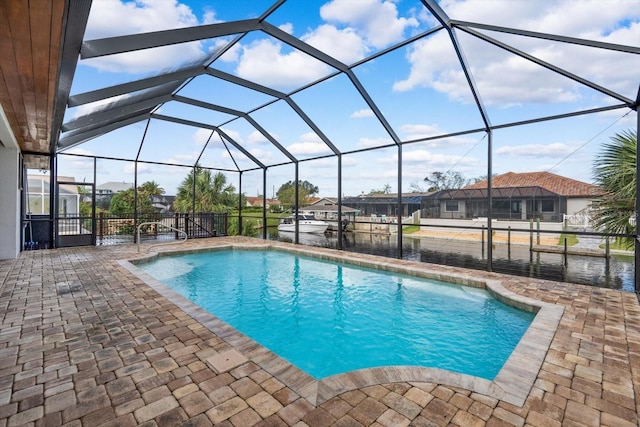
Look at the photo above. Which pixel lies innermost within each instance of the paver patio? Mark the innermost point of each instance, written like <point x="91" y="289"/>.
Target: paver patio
<point x="84" y="342"/>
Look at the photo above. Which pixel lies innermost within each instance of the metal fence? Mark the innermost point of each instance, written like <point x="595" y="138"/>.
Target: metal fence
<point x="568" y="254"/>
<point x="118" y="229"/>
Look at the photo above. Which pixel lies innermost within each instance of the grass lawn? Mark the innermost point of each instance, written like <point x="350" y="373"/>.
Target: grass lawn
<point x="572" y="239"/>
<point x="410" y="229"/>
<point x="617" y="245"/>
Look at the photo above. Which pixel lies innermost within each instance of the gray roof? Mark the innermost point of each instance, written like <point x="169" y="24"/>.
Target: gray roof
<point x="115" y="187"/>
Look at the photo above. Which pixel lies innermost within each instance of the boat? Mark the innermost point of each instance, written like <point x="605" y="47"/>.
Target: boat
<point x="306" y="224"/>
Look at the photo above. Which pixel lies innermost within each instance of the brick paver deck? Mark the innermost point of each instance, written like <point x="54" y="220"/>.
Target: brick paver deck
<point x="85" y="342"/>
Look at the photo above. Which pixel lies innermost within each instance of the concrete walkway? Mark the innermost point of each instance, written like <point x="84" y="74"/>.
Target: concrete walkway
<point x="84" y="342"/>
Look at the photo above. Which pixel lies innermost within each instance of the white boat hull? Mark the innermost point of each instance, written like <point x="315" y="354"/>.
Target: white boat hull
<point x="305" y="227"/>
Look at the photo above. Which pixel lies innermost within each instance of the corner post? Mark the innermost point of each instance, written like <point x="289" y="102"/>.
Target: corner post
<point x="636" y="243"/>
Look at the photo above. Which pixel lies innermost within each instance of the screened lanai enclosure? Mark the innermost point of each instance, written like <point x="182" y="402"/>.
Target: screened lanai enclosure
<point x="354" y="97"/>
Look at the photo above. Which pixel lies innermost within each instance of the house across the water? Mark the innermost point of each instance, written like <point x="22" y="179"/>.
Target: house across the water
<point x="326" y="209"/>
<point x="273" y="205"/>
<point x="517" y="196"/>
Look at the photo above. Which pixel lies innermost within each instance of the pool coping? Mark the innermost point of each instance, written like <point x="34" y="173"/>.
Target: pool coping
<point x="512" y="384"/>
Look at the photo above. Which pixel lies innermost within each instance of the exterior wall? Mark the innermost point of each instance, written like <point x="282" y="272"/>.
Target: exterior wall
<point x="576" y="205"/>
<point x="479" y="222"/>
<point x="547" y="215"/>
<point x="469" y="224"/>
<point x="10" y="206"/>
<point x="459" y="214"/>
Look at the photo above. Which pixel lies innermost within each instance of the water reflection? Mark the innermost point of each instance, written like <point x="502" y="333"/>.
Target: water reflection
<point x="516" y="259"/>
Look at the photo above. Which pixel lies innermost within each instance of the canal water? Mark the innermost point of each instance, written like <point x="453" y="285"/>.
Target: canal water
<point x="618" y="273"/>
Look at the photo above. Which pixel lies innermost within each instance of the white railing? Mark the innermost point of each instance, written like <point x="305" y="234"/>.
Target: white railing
<point x="580" y="219"/>
<point x="160" y="244"/>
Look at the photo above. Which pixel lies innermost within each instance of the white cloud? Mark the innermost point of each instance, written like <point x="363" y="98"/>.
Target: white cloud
<point x="366" y="112"/>
<point x="506" y="79"/>
<point x="80" y="151"/>
<point x="234" y="135"/>
<point x="76" y="165"/>
<point x="264" y="62"/>
<point x="209" y="17"/>
<point x="201" y="136"/>
<point x="412" y="132"/>
<point x="308" y="147"/>
<point x="287" y="28"/>
<point x="143" y="169"/>
<point x="136" y="16"/>
<point x="310" y="143"/>
<point x="345" y="45"/>
<point x="430" y="160"/>
<point x="264" y="156"/>
<point x="376" y="20"/>
<point x="536" y="150"/>
<point x="500" y="79"/>
<point x="352" y="28"/>
<point x="373" y="142"/>
<point x="231" y="55"/>
<point x="110" y="18"/>
<point x="183" y="158"/>
<point x="627" y="118"/>
<point x="331" y="163"/>
<point x="256" y="137"/>
<point x="418" y="131"/>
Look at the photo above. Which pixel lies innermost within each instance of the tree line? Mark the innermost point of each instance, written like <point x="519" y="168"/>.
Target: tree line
<point x="202" y="191"/>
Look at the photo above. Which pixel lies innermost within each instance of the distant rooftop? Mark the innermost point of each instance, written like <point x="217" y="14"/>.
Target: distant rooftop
<point x="549" y="181"/>
<point x="115" y="187"/>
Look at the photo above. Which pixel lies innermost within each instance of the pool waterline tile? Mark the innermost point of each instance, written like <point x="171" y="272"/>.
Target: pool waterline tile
<point x="512" y="384"/>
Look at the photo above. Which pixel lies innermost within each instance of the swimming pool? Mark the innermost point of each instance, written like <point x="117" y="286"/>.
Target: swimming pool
<point x="328" y="318"/>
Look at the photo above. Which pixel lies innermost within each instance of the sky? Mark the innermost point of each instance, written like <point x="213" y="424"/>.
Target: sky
<point x="420" y="89"/>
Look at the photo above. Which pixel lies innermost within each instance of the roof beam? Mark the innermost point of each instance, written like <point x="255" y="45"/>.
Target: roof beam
<point x="546" y="36"/>
<point x="77" y="137"/>
<point x="444" y="19"/>
<point x="302" y="46"/>
<point x="77" y="16"/>
<point x="547" y="65"/>
<point x="207" y="105"/>
<point x="237" y="113"/>
<point x="210" y="127"/>
<point x="438" y="12"/>
<point x="108" y="115"/>
<point x="312" y="125"/>
<point x="246" y="83"/>
<point x="124" y="88"/>
<point x="113" y="45"/>
<point x="374" y="107"/>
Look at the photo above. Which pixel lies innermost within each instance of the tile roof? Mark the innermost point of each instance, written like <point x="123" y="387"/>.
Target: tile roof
<point x="257" y="201"/>
<point x="555" y="183"/>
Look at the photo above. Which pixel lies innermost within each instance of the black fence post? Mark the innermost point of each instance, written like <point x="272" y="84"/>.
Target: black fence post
<point x="176" y="223"/>
<point x="101" y="226"/>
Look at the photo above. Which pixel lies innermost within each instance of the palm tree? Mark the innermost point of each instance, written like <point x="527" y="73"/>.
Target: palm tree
<point x="151" y="188"/>
<point x="212" y="193"/>
<point x="615" y="171"/>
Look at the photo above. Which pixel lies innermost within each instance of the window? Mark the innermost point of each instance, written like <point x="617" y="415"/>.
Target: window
<point x="547" y="206"/>
<point x="451" y="206"/>
<point x="500" y="205"/>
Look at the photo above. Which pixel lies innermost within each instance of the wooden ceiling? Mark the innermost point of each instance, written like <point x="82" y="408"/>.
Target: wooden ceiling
<point x="30" y="41"/>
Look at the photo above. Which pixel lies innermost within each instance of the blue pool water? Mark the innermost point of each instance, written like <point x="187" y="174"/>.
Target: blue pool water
<point x="327" y="318"/>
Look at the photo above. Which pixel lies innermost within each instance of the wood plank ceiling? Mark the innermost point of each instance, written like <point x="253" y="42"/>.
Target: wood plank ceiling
<point x="30" y="42"/>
